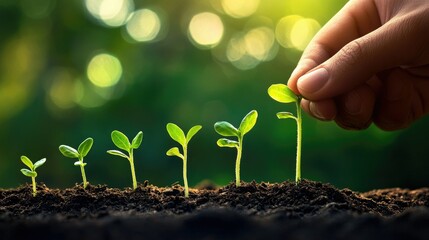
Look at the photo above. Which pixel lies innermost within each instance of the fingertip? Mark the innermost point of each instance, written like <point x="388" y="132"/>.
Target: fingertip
<point x="356" y="108"/>
<point x="304" y="66"/>
<point x="310" y="84"/>
<point x="323" y="110"/>
<point x="305" y="105"/>
<point x="292" y="82"/>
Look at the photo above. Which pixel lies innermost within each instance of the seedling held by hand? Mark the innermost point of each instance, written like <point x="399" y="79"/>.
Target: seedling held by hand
<point x="121" y="141"/>
<point x="177" y="134"/>
<point x="31" y="171"/>
<point x="281" y="93"/>
<point x="226" y="129"/>
<point x="80" y="153"/>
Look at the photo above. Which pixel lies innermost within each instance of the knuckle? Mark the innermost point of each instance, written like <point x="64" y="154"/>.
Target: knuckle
<point x="351" y="53"/>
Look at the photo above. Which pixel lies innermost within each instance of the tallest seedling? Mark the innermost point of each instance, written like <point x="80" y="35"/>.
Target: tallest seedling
<point x="281" y="93"/>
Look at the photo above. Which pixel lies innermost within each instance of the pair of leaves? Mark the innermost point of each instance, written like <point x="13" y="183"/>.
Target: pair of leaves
<point x="31" y="172"/>
<point x="226" y="129"/>
<point x="282" y="93"/>
<point x="80" y="153"/>
<point x="177" y="134"/>
<point x="122" y="142"/>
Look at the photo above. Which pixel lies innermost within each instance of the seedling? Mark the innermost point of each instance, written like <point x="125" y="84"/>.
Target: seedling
<point x="177" y="134"/>
<point x="80" y="153"/>
<point x="281" y="93"/>
<point x="121" y="141"/>
<point x="226" y="129"/>
<point x="31" y="172"/>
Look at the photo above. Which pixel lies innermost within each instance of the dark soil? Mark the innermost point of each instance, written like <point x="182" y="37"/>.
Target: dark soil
<point x="309" y="210"/>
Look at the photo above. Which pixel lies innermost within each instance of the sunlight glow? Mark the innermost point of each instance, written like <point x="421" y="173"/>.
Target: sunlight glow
<point x="302" y="32"/>
<point x="240" y="8"/>
<point x="295" y="31"/>
<point x="144" y="25"/>
<point x="62" y="90"/>
<point x="259" y="42"/>
<point x="206" y="29"/>
<point x="113" y="13"/>
<point x="104" y="70"/>
<point x="246" y="51"/>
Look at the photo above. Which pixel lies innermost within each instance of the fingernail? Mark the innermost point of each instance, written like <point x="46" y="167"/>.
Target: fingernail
<point x="313" y="81"/>
<point x="315" y="111"/>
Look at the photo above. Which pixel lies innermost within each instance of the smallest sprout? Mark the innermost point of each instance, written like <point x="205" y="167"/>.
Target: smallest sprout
<point x="31" y="172"/>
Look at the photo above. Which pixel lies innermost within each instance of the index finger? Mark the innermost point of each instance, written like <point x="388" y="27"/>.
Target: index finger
<point x="355" y="19"/>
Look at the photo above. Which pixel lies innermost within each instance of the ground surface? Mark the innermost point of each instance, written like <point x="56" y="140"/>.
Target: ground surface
<point x="309" y="210"/>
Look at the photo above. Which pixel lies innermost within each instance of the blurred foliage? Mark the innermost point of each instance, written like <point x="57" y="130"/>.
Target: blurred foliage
<point x="76" y="69"/>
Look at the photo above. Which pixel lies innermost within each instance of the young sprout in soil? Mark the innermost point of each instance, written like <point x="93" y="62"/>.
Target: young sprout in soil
<point x="31" y="172"/>
<point x="80" y="153"/>
<point x="177" y="134"/>
<point x="121" y="141"/>
<point x="226" y="129"/>
<point x="281" y="93"/>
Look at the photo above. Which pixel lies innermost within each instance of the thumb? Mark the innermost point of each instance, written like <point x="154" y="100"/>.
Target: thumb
<point x="394" y="44"/>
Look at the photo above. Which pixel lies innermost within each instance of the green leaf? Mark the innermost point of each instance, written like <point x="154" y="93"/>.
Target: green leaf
<point x="226" y="129"/>
<point x="85" y="146"/>
<point x="121" y="141"/>
<point x="175" y="152"/>
<point x="285" y="115"/>
<point x="118" y="153"/>
<point x="176" y="133"/>
<point x="223" y="142"/>
<point x="191" y="133"/>
<point x="39" y="163"/>
<point x="137" y="140"/>
<point x="79" y="163"/>
<point x="27" y="162"/>
<point x="68" y="151"/>
<point x="282" y="93"/>
<point x="248" y="122"/>
<point x="28" y="173"/>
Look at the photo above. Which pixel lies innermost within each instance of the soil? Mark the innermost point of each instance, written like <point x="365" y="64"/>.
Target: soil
<point x="309" y="210"/>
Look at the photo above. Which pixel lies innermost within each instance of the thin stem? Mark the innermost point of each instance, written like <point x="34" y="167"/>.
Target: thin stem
<point x="33" y="180"/>
<point x="82" y="170"/>
<point x="237" y="161"/>
<point x="299" y="140"/>
<point x="185" y="176"/>
<point x="133" y="173"/>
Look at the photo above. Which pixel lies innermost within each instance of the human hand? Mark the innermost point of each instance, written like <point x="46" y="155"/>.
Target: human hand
<point x="369" y="63"/>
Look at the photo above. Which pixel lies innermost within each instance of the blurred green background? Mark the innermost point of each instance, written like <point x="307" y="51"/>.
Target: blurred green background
<point x="74" y="69"/>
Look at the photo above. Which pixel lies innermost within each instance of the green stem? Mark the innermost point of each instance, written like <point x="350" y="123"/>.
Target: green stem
<point x="299" y="140"/>
<point x="185" y="176"/>
<point x="237" y="162"/>
<point x="33" y="180"/>
<point x="82" y="170"/>
<point x="133" y="173"/>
